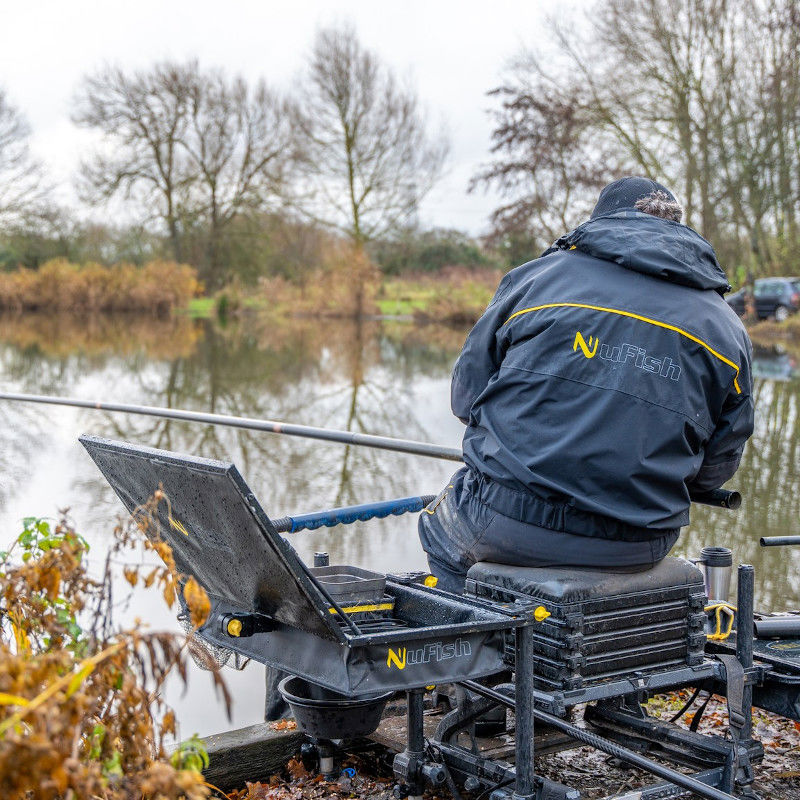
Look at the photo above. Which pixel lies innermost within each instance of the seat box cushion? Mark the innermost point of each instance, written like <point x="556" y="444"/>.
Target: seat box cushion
<point x="566" y="585"/>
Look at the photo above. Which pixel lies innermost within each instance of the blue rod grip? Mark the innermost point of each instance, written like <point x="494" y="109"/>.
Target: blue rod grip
<point x="349" y="514"/>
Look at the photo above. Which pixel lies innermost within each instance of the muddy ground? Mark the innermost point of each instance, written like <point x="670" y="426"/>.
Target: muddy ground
<point x="368" y="775"/>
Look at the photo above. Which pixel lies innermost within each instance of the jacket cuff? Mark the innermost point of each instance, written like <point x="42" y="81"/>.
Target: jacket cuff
<point x="712" y="476"/>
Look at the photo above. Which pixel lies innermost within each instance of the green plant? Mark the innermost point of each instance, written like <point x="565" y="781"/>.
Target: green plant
<point x="190" y="754"/>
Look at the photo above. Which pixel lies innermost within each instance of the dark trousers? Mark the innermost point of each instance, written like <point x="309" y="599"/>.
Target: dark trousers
<point x="457" y="530"/>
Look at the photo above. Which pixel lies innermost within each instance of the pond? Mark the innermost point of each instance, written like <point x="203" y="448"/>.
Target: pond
<point x="383" y="377"/>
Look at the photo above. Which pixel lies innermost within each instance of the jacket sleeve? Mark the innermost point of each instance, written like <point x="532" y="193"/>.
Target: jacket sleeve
<point x="723" y="451"/>
<point x="482" y="353"/>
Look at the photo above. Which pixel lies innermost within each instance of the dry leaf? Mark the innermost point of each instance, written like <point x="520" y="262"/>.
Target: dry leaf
<point x="131" y="575"/>
<point x="197" y="601"/>
<point x="283" y="725"/>
<point x="297" y="770"/>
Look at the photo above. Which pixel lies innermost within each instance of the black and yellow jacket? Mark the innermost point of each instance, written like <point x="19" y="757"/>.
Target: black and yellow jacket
<point x="605" y="380"/>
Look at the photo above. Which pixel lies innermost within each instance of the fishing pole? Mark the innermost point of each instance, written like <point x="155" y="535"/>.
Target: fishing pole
<point x="720" y="498"/>
<point x="270" y="426"/>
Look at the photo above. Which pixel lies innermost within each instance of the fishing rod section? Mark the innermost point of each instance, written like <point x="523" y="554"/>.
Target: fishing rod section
<point x="720" y="498"/>
<point x="249" y="423"/>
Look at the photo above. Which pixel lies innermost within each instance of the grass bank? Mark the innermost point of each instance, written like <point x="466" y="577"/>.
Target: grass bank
<point x="347" y="285"/>
<point x="454" y="296"/>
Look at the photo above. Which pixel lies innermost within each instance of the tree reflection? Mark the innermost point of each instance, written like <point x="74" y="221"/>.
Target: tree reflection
<point x="365" y="378"/>
<point x="325" y="373"/>
<point x="770" y="486"/>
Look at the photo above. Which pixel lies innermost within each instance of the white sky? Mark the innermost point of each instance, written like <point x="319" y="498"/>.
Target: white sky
<point x="455" y="52"/>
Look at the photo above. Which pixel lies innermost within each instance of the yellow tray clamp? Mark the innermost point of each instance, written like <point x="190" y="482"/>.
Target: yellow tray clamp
<point x="540" y="614"/>
<point x="719" y="609"/>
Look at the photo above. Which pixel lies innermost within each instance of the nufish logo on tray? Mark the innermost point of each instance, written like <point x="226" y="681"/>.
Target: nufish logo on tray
<point x="396" y="658"/>
<point x="432" y="651"/>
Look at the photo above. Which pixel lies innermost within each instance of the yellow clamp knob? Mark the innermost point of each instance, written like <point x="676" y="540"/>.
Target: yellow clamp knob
<point x="540" y="614"/>
<point x="431" y="581"/>
<point x="234" y="627"/>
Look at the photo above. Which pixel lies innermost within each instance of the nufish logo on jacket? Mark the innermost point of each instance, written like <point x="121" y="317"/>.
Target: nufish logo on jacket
<point x="588" y="349"/>
<point x="627" y="354"/>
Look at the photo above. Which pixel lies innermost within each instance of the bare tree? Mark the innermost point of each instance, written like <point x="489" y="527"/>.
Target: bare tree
<point x="367" y="157"/>
<point x="142" y="116"/>
<point x="193" y="148"/>
<point x="21" y="189"/>
<point x="238" y="145"/>
<point x="548" y="157"/>
<point x="701" y="94"/>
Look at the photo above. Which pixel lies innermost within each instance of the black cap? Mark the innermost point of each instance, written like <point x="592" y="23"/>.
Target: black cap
<point x="623" y="194"/>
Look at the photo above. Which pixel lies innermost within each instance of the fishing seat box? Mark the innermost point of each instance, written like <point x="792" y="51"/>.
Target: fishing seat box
<point x="603" y="624"/>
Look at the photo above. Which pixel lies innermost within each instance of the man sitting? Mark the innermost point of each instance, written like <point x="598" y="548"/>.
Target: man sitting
<point x="605" y="380"/>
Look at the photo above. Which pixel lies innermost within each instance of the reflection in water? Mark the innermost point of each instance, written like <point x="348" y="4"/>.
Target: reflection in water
<point x="774" y="362"/>
<point x="387" y="378"/>
<point x="322" y="373"/>
<point x="770" y="486"/>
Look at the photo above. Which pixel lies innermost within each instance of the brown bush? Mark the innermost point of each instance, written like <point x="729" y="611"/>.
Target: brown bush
<point x="80" y="711"/>
<point x="460" y="296"/>
<point x="345" y="285"/>
<point x="154" y="289"/>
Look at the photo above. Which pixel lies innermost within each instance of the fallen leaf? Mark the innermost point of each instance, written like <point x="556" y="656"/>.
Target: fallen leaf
<point x="283" y="725"/>
<point x="297" y="770"/>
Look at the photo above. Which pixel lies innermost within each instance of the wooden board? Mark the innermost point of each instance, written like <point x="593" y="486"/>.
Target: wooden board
<point x="249" y="754"/>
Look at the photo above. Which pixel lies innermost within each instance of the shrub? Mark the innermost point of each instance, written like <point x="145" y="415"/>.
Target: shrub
<point x="344" y="286"/>
<point x="154" y="289"/>
<point x="80" y="714"/>
<point x="460" y="297"/>
<point x="430" y="251"/>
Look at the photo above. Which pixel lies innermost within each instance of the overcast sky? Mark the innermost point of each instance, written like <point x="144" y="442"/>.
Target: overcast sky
<point x="455" y="52"/>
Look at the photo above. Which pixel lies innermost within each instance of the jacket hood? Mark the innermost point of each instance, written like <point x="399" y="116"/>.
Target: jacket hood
<point x="650" y="245"/>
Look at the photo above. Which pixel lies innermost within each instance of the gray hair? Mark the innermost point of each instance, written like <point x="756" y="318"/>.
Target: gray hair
<point x="659" y="204"/>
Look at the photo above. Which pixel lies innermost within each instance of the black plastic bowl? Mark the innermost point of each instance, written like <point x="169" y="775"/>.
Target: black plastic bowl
<point x="324" y="714"/>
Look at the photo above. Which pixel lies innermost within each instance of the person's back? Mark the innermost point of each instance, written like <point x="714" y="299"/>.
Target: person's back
<point x="605" y="380"/>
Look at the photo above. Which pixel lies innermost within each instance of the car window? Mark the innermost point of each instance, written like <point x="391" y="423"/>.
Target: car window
<point x="767" y="288"/>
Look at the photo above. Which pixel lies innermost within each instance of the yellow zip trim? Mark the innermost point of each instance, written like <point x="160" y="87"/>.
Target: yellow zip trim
<point x="641" y="319"/>
<point x="433" y="510"/>
<point x="370" y="607"/>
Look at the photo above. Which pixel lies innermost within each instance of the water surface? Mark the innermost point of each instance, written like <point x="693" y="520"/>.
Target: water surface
<point x="387" y="378"/>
